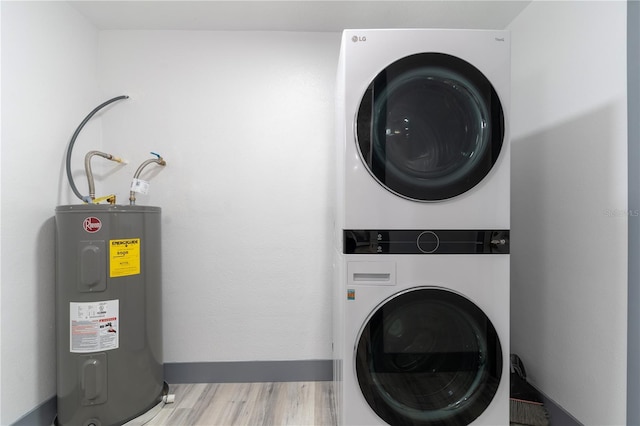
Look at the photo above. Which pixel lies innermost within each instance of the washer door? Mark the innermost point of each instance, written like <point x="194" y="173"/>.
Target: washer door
<point x="428" y="356"/>
<point x="430" y="127"/>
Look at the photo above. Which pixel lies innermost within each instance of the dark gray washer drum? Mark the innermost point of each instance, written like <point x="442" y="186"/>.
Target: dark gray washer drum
<point x="108" y="385"/>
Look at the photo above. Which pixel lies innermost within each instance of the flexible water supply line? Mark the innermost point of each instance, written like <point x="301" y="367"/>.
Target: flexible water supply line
<point x="89" y="172"/>
<point x="86" y="199"/>
<point x="159" y="160"/>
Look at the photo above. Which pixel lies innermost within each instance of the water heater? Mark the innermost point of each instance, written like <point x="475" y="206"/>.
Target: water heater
<point x="109" y="315"/>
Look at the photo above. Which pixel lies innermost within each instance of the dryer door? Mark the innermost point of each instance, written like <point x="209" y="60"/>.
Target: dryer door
<point x="430" y="127"/>
<point x="428" y="356"/>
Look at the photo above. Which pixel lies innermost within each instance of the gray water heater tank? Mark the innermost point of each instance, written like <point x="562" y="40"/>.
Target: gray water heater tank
<point x="108" y="313"/>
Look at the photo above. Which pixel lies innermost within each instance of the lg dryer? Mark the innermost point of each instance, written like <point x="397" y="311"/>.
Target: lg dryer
<point x="423" y="130"/>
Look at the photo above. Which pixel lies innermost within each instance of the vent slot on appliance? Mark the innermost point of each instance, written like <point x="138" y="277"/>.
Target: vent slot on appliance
<point x="371" y="273"/>
<point x="371" y="277"/>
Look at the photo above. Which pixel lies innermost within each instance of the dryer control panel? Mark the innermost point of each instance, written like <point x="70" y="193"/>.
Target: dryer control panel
<point x="443" y="241"/>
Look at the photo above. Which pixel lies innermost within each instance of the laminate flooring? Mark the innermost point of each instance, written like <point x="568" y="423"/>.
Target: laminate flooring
<point x="247" y="404"/>
<point x="250" y="404"/>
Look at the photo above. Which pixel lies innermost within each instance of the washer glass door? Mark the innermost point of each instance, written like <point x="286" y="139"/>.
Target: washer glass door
<point x="430" y="127"/>
<point x="428" y="356"/>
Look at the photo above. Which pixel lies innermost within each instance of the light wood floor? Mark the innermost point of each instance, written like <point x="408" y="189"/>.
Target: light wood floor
<point x="250" y="404"/>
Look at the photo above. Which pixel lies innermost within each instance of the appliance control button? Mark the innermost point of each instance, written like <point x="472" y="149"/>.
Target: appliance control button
<point x="428" y="242"/>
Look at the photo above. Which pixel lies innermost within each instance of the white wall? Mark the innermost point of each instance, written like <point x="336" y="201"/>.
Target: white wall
<point x="245" y="123"/>
<point x="569" y="212"/>
<point x="49" y="57"/>
<point x="0" y="218"/>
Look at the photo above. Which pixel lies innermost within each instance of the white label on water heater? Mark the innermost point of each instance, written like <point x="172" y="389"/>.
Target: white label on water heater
<point x="140" y="186"/>
<point x="94" y="326"/>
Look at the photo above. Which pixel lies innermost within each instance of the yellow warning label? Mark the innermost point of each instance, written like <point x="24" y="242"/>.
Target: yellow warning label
<point x="124" y="257"/>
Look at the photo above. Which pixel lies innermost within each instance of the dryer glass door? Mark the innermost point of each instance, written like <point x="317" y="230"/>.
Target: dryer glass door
<point x="428" y="356"/>
<point x="430" y="127"/>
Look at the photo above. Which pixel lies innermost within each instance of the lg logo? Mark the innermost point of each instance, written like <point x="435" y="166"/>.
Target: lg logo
<point x="356" y="39"/>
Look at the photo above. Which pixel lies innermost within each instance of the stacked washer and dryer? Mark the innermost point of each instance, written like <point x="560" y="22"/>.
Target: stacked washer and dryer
<point x="421" y="310"/>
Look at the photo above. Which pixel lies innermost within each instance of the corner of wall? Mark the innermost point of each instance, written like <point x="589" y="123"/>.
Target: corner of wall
<point x="633" y="110"/>
<point x="49" y="59"/>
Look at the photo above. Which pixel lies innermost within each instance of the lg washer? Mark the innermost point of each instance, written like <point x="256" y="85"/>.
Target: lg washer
<point x="421" y="306"/>
<point x="423" y="340"/>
